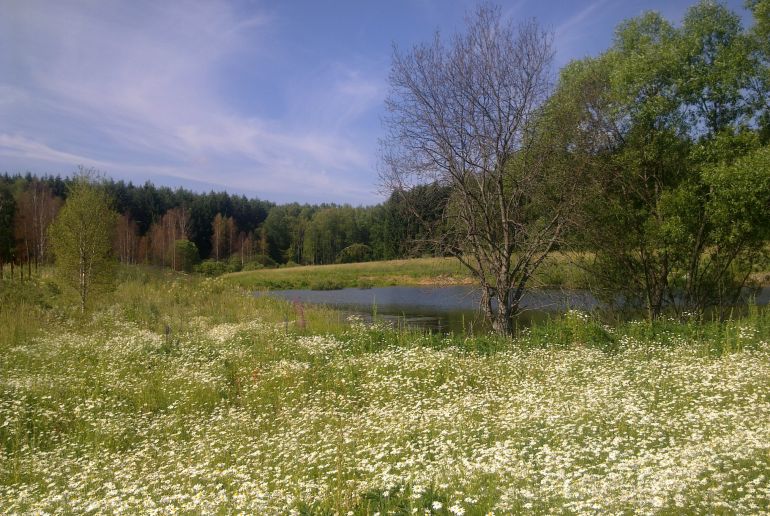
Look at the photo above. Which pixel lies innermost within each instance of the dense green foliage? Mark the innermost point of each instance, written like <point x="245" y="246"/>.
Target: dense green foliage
<point x="678" y="206"/>
<point x="187" y="255"/>
<point x="303" y="234"/>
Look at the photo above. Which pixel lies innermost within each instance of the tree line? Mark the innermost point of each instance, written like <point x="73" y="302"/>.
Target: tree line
<point x="215" y="231"/>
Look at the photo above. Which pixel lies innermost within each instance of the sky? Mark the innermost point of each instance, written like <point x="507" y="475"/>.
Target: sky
<point x="281" y="100"/>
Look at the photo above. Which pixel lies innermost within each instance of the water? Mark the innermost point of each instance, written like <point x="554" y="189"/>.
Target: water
<point x="446" y="309"/>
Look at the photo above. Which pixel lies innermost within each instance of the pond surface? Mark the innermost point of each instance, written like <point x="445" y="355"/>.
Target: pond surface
<point x="448" y="309"/>
<point x="445" y="309"/>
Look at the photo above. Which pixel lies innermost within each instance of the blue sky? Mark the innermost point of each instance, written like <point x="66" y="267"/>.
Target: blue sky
<point x="281" y="100"/>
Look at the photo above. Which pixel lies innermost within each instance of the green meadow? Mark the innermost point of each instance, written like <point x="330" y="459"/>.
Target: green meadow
<point x="558" y="271"/>
<point x="183" y="394"/>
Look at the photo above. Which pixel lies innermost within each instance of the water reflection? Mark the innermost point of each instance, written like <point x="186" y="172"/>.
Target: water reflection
<point x="445" y="309"/>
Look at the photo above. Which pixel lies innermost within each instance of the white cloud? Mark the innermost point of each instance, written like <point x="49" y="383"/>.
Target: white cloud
<point x="138" y="87"/>
<point x="576" y="28"/>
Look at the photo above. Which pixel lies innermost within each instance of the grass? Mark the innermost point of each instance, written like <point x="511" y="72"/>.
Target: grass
<point x="182" y="394"/>
<point x="418" y="271"/>
<point x="556" y="272"/>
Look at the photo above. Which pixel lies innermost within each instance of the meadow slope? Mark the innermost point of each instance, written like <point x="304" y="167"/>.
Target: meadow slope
<point x="557" y="271"/>
<point x="188" y="395"/>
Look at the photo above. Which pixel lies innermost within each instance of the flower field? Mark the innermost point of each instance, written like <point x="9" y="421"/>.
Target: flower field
<point x="197" y="399"/>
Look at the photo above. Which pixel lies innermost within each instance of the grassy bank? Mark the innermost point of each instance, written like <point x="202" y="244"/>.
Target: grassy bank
<point x="557" y="272"/>
<point x="186" y="395"/>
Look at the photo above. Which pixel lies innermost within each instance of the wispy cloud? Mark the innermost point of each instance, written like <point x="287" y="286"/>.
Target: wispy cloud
<point x="577" y="20"/>
<point x="578" y="28"/>
<point x="131" y="87"/>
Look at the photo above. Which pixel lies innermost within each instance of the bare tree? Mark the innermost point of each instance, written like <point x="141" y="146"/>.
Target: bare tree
<point x="176" y="226"/>
<point x="126" y="243"/>
<point x="37" y="207"/>
<point x="218" y="236"/>
<point x="232" y="236"/>
<point x="466" y="116"/>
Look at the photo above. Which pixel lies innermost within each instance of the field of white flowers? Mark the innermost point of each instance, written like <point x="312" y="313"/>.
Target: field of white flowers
<point x="259" y="415"/>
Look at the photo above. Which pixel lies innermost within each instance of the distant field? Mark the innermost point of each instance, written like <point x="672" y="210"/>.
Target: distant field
<point x="416" y="271"/>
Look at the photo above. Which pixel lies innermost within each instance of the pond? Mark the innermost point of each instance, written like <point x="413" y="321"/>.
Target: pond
<point x="445" y="309"/>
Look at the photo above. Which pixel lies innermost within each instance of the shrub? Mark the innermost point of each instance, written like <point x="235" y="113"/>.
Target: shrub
<point x="234" y="263"/>
<point x="355" y="253"/>
<point x="265" y="261"/>
<point x="186" y="255"/>
<point x="211" y="268"/>
<point x="252" y="266"/>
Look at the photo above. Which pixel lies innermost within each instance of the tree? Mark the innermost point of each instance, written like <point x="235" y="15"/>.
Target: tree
<point x="176" y="225"/>
<point x="224" y="237"/>
<point x="760" y="35"/>
<point x="218" y="236"/>
<point x="37" y="207"/>
<point x="82" y="235"/>
<point x="232" y="236"/>
<point x="329" y="231"/>
<point x="465" y="116"/>
<point x="186" y="255"/>
<point x="7" y="213"/>
<point x="675" y="110"/>
<point x="126" y="245"/>
<point x="285" y="229"/>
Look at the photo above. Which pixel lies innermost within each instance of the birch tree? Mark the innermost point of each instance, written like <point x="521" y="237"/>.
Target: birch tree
<point x="81" y="238"/>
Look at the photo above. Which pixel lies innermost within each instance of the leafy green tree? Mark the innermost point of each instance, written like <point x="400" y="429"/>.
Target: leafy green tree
<point x="665" y="115"/>
<point x="186" y="255"/>
<point x="329" y="231"/>
<point x="285" y="228"/>
<point x="760" y="34"/>
<point x="81" y="238"/>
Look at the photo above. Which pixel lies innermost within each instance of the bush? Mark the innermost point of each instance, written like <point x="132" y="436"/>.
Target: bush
<point x="234" y="263"/>
<point x="265" y="261"/>
<point x="186" y="255"/>
<point x="252" y="266"/>
<point x="211" y="268"/>
<point x="355" y="253"/>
